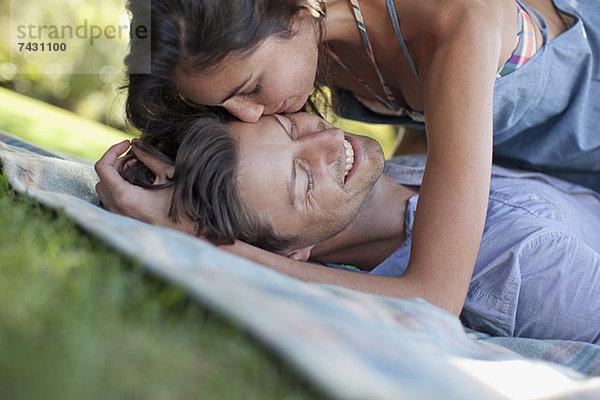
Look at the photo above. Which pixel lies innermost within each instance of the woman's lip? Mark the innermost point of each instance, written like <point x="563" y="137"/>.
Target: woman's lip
<point x="357" y="155"/>
<point x="281" y="109"/>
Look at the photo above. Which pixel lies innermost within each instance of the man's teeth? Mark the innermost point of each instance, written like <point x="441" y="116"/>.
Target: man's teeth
<point x="349" y="156"/>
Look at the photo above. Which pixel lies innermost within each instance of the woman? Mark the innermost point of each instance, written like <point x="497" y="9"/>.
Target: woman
<point x="436" y="61"/>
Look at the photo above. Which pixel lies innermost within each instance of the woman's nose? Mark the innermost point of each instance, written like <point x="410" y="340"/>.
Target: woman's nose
<point x="325" y="145"/>
<point x="244" y="110"/>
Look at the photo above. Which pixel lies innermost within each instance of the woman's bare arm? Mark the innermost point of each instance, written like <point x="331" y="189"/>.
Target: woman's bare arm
<point x="402" y="287"/>
<point x="457" y="64"/>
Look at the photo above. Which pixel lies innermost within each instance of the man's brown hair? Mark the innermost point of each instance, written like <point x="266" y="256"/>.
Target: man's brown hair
<point x="205" y="190"/>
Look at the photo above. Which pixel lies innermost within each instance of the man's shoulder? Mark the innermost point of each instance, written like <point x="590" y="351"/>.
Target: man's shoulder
<point x="525" y="215"/>
<point x="407" y="169"/>
<point x="408" y="161"/>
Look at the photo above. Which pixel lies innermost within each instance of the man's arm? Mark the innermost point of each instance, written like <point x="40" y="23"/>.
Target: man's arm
<point x="543" y="285"/>
<point x="560" y="282"/>
<point x="402" y="287"/>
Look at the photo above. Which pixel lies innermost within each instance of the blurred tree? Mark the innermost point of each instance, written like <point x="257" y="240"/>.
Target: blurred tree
<point x="85" y="78"/>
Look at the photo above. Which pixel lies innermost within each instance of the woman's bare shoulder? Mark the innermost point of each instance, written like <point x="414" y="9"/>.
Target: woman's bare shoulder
<point x="442" y="16"/>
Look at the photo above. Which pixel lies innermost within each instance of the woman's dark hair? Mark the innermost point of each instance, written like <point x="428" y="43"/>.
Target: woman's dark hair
<point x="204" y="183"/>
<point x="195" y="35"/>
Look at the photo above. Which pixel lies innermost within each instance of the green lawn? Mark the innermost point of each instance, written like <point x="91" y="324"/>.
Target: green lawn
<point x="78" y="321"/>
<point x="54" y="128"/>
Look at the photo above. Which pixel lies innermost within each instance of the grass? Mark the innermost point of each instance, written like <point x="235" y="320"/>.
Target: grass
<point x="77" y="321"/>
<point x="53" y="128"/>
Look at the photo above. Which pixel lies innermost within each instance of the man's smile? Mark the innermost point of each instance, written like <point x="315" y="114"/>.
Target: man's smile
<point x="353" y="156"/>
<point x="349" y="157"/>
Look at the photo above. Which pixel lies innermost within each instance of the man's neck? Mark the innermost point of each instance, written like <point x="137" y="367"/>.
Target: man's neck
<point x="376" y="232"/>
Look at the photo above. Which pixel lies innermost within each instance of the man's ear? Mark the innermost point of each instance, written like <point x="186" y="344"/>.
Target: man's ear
<point x="302" y="254"/>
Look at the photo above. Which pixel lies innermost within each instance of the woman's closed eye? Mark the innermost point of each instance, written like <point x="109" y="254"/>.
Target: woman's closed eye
<point x="255" y="92"/>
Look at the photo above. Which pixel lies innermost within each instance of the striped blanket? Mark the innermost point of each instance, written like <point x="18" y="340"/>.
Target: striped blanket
<point x="351" y="345"/>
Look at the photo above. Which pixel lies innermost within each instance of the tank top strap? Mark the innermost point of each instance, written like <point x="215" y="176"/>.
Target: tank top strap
<point x="538" y="20"/>
<point x="390" y="100"/>
<point x="394" y="17"/>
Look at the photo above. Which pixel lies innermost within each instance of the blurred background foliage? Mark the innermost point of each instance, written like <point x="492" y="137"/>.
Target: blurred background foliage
<point x="94" y="95"/>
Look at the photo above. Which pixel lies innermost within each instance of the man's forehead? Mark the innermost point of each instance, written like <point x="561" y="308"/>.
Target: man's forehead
<point x="267" y="126"/>
<point x="278" y="119"/>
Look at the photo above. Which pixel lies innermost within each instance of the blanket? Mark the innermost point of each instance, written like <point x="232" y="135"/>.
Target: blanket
<point x="350" y="345"/>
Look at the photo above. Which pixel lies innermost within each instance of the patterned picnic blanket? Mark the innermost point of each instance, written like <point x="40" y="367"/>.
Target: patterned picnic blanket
<point x="351" y="345"/>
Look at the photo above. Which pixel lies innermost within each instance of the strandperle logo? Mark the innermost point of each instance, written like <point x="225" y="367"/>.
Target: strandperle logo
<point x="75" y="37"/>
<point x="87" y="31"/>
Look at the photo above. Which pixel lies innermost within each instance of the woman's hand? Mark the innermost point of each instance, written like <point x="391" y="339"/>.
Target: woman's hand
<point x="121" y="197"/>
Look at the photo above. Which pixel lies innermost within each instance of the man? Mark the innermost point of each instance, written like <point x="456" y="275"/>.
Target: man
<point x="321" y="194"/>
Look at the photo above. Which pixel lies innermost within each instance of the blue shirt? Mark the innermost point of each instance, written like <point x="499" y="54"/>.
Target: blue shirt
<point x="537" y="273"/>
<point x="547" y="113"/>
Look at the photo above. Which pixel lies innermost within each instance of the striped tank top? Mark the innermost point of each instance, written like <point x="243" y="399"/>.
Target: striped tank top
<point x="525" y="48"/>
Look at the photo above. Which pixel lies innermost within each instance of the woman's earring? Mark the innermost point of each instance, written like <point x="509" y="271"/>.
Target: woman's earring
<point x="316" y="8"/>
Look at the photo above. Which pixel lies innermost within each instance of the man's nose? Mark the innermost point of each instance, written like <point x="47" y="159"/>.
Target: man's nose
<point x="324" y="146"/>
<point x="244" y="110"/>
